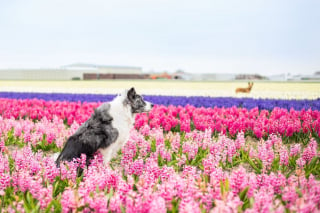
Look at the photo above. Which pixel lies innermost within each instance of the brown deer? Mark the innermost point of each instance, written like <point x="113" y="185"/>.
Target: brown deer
<point x="245" y="90"/>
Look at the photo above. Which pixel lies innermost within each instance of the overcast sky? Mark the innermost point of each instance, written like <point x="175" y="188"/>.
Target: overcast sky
<point x="230" y="36"/>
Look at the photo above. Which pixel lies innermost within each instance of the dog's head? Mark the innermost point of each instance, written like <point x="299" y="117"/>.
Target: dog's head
<point x="136" y="102"/>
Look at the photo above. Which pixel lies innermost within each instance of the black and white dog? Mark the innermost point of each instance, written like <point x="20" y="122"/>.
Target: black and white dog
<point x="107" y="130"/>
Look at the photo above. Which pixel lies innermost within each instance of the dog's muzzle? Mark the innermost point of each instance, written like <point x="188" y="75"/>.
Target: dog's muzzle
<point x="148" y="106"/>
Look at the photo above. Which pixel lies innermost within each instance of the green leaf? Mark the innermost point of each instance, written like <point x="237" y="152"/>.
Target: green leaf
<point x="243" y="193"/>
<point x="253" y="165"/>
<point x="48" y="209"/>
<point x="160" y="161"/>
<point x="245" y="205"/>
<point x="173" y="162"/>
<point x="222" y="187"/>
<point x="175" y="206"/>
<point x="290" y="172"/>
<point x="59" y="186"/>
<point x="299" y="192"/>
<point x="201" y="167"/>
<point x="167" y="144"/>
<point x="275" y="164"/>
<point x="123" y="210"/>
<point x="313" y="162"/>
<point x="27" y="202"/>
<point x="226" y="184"/>
<point x="312" y="167"/>
<point x="110" y="194"/>
<point x="153" y="146"/>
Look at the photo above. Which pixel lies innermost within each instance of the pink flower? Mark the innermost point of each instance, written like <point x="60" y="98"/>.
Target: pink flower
<point x="189" y="205"/>
<point x="231" y="204"/>
<point x="68" y="201"/>
<point x="238" y="180"/>
<point x="290" y="195"/>
<point x="5" y="179"/>
<point x="240" y="140"/>
<point x="175" y="144"/>
<point x="263" y="200"/>
<point x="137" y="167"/>
<point x="265" y="154"/>
<point x="50" y="170"/>
<point x="300" y="162"/>
<point x="310" y="151"/>
<point x="231" y="150"/>
<point x="158" y="204"/>
<point x="191" y="149"/>
<point x="284" y="156"/>
<point x="295" y="149"/>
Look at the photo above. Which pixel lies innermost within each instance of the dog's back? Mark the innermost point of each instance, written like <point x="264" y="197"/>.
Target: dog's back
<point x="95" y="133"/>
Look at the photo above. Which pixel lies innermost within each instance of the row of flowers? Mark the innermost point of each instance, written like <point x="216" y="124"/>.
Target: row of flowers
<point x="258" y="123"/>
<point x="197" y="101"/>
<point x="159" y="171"/>
<point x="233" y="120"/>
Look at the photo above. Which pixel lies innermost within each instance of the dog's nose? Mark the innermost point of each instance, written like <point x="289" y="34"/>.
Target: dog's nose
<point x="152" y="105"/>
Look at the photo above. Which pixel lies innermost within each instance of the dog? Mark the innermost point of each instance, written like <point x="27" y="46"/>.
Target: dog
<point x="107" y="130"/>
<point x="245" y="90"/>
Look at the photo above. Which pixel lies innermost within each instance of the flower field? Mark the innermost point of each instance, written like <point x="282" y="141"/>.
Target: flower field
<point x="189" y="154"/>
<point x="273" y="90"/>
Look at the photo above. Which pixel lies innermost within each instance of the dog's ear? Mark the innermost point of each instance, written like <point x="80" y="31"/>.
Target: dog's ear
<point x="131" y="94"/>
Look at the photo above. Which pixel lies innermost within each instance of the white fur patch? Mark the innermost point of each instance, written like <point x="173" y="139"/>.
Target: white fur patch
<point x="148" y="106"/>
<point x="123" y="121"/>
<point x="55" y="156"/>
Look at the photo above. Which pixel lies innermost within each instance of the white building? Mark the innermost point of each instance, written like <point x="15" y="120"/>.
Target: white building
<point x="214" y="77"/>
<point x="299" y="77"/>
<point x="280" y="77"/>
<point x="69" y="72"/>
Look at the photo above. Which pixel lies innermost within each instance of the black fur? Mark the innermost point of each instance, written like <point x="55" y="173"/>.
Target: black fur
<point x="136" y="101"/>
<point x="95" y="133"/>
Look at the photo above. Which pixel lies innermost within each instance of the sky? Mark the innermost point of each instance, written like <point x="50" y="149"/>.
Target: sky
<point x="205" y="36"/>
